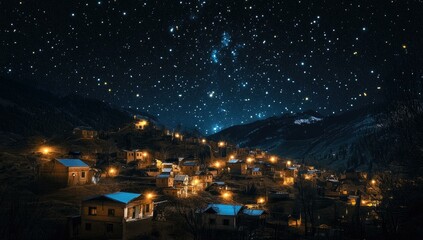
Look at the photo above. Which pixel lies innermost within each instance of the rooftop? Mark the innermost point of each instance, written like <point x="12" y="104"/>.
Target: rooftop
<point x="67" y="162"/>
<point x="123" y="197"/>
<point x="253" y="212"/>
<point x="223" y="209"/>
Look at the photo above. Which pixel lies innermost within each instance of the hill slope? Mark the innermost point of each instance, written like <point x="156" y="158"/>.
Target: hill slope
<point x="29" y="111"/>
<point x="367" y="138"/>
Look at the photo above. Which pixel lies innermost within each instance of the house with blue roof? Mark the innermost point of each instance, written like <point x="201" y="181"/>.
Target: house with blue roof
<point x="67" y="172"/>
<point x="108" y="216"/>
<point x="230" y="216"/>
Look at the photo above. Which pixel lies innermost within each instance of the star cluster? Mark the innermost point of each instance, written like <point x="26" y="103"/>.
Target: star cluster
<point x="210" y="64"/>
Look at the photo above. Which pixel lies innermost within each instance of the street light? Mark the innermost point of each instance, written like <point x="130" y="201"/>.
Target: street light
<point x="226" y="195"/>
<point x="221" y="144"/>
<point x="288" y="163"/>
<point x="261" y="200"/>
<point x="249" y="160"/>
<point x="273" y="159"/>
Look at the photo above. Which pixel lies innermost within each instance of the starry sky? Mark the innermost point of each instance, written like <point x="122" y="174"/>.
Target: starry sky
<point x="210" y="64"/>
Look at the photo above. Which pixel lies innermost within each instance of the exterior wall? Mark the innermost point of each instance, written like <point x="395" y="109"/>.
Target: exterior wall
<point x="106" y="225"/>
<point x="79" y="176"/>
<point x="98" y="226"/>
<point x="219" y="221"/>
<point x="127" y="156"/>
<point x="64" y="176"/>
<point x="238" y="168"/>
<point x="190" y="170"/>
<point x="164" y="182"/>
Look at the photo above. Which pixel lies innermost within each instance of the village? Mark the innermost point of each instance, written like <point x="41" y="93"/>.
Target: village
<point x="171" y="185"/>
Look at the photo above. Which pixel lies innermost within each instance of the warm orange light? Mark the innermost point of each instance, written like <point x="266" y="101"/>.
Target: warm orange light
<point x="195" y="182"/>
<point x="250" y="160"/>
<point x="203" y="140"/>
<point x="227" y="195"/>
<point x="112" y="171"/>
<point x="177" y="135"/>
<point x="149" y="195"/>
<point x="217" y="164"/>
<point x="272" y="159"/>
<point x="232" y="157"/>
<point x="288" y="163"/>
<point x="142" y="123"/>
<point x="45" y="150"/>
<point x="261" y="200"/>
<point x="373" y="182"/>
<point x="221" y="144"/>
<point x="144" y="154"/>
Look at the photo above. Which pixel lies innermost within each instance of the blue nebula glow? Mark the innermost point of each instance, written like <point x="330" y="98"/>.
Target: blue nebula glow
<point x="226" y="39"/>
<point x="214" y="57"/>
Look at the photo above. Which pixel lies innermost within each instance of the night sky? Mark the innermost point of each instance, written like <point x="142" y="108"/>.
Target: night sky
<point x="210" y="64"/>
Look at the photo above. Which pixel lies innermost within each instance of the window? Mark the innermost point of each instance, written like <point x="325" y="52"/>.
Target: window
<point x="109" y="228"/>
<point x="88" y="226"/>
<point x="82" y="174"/>
<point x="147" y="208"/>
<point x="92" y="211"/>
<point x="212" y="221"/>
<point x="226" y="222"/>
<point x="111" y="212"/>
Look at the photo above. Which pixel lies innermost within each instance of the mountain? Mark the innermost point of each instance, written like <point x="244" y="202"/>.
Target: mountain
<point x="28" y="111"/>
<point x="366" y="138"/>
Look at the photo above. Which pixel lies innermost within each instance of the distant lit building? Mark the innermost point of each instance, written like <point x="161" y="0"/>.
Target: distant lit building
<point x="85" y="132"/>
<point x="236" y="166"/>
<point x="66" y="172"/>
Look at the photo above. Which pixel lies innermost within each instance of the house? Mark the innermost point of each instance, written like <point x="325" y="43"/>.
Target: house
<point x="164" y="180"/>
<point x="253" y="217"/>
<point x="126" y="155"/>
<point x="106" y="216"/>
<point x="181" y="181"/>
<point x="206" y="178"/>
<point x="236" y="166"/>
<point x="178" y="192"/>
<point x="255" y="172"/>
<point x="221" y="216"/>
<point x="85" y="132"/>
<point x="289" y="175"/>
<point x="67" y="172"/>
<point x="190" y="167"/>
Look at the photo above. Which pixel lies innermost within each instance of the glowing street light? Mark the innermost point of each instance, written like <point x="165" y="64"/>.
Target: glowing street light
<point x="177" y="135"/>
<point x="217" y="164"/>
<point x="273" y="159"/>
<point x="145" y="154"/>
<point x="221" y="144"/>
<point x="261" y="200"/>
<point x="203" y="140"/>
<point x="288" y="163"/>
<point x="373" y="182"/>
<point x="112" y="171"/>
<point x="45" y="150"/>
<point x="226" y="195"/>
<point x="149" y="195"/>
<point x="250" y="160"/>
<point x="232" y="157"/>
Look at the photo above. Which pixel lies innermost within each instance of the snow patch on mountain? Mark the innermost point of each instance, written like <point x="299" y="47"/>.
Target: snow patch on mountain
<point x="309" y="120"/>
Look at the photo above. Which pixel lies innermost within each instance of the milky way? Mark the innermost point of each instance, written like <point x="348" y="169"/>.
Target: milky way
<point x="211" y="64"/>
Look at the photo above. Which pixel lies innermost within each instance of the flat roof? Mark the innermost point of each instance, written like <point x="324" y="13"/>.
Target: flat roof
<point x="224" y="209"/>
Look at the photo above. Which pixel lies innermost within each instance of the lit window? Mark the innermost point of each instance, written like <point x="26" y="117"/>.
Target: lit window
<point x="92" y="211"/>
